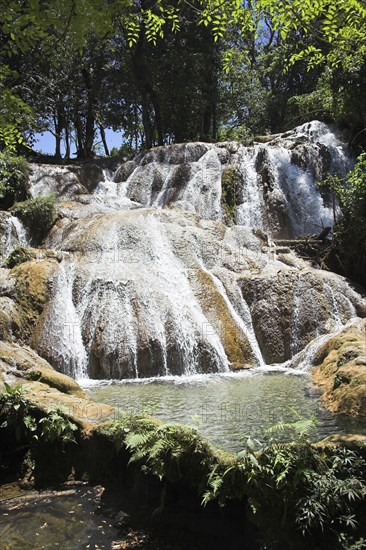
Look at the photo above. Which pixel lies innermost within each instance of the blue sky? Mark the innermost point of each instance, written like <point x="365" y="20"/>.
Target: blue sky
<point x="46" y="142"/>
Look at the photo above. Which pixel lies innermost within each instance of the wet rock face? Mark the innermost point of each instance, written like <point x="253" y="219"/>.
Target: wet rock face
<point x="276" y="189"/>
<point x="293" y="307"/>
<point x="151" y="292"/>
<point x="165" y="267"/>
<point x="12" y="235"/>
<point x="64" y="181"/>
<point x="140" y="300"/>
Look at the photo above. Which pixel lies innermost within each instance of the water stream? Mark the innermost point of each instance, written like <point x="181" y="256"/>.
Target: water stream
<point x="226" y="408"/>
<point x="156" y="281"/>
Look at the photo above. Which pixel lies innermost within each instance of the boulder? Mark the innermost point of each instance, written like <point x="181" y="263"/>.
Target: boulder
<point x="340" y="370"/>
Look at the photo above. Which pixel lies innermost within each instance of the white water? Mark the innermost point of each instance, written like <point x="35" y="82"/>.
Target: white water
<point x="20" y="231"/>
<point x="12" y="235"/>
<point x="62" y="327"/>
<point x="152" y="279"/>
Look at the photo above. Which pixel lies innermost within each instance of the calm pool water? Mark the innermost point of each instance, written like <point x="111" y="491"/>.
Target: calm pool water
<point x="225" y="408"/>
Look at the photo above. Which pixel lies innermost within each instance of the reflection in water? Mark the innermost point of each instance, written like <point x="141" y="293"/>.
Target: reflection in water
<point x="224" y="408"/>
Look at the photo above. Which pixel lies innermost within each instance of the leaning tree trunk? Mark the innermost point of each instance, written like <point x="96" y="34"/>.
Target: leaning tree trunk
<point x="104" y="139"/>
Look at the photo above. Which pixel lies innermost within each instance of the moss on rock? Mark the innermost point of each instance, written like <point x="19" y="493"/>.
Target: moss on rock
<point x="215" y="308"/>
<point x="340" y="370"/>
<point x="32" y="290"/>
<point x="38" y="214"/>
<point x="25" y="363"/>
<point x="229" y="185"/>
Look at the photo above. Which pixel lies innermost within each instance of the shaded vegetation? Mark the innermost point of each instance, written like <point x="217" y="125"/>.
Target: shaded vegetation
<point x="38" y="215"/>
<point x="298" y="495"/>
<point x="348" y="255"/>
<point x="13" y="179"/>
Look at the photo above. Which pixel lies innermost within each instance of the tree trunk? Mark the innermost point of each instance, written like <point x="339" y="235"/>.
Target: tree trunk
<point x="58" y="130"/>
<point x="149" y="96"/>
<point x="89" y="133"/>
<point x="104" y="140"/>
<point x="79" y="137"/>
<point x="67" y="142"/>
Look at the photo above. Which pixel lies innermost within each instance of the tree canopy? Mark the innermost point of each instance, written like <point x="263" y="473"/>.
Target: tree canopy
<point x="164" y="71"/>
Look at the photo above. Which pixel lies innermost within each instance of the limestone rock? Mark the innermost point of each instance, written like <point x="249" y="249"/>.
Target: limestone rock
<point x="25" y="363"/>
<point x="292" y="307"/>
<point x="340" y="370"/>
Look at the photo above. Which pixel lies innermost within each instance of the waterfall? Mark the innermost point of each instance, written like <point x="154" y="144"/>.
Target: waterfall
<point x="61" y="338"/>
<point x="251" y="211"/>
<point x="12" y="235"/>
<point x="21" y="233"/>
<point x="153" y="283"/>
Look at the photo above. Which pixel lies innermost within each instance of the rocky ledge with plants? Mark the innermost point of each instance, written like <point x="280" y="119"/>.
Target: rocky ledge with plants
<point x="288" y="496"/>
<point x="340" y="370"/>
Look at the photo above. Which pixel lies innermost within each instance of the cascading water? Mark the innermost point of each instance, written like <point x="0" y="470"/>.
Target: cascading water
<point x="154" y="284"/>
<point x="62" y="327"/>
<point x="12" y="235"/>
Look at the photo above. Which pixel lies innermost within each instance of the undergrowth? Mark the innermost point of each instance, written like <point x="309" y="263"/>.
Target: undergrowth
<point x="38" y="215"/>
<point x="297" y="494"/>
<point x="21" y="417"/>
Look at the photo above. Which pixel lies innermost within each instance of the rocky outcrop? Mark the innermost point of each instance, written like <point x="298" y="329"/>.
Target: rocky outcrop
<point x="47" y="389"/>
<point x="340" y="370"/>
<point x="291" y="307"/>
<point x="275" y="188"/>
<point x="24" y="292"/>
<point x="165" y="266"/>
<point x="142" y="262"/>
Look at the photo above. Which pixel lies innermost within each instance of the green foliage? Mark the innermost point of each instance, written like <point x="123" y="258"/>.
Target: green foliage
<point x="14" y="173"/>
<point x="241" y="133"/>
<point x="337" y="29"/>
<point x="37" y="214"/>
<point x="57" y="427"/>
<point x="168" y="451"/>
<point x="14" y="408"/>
<point x="350" y="231"/>
<point x="229" y="185"/>
<point x="297" y="494"/>
<point x="18" y="256"/>
<point x="15" y="114"/>
<point x="17" y="413"/>
<point x="351" y="190"/>
<point x="164" y="449"/>
<point x="237" y="82"/>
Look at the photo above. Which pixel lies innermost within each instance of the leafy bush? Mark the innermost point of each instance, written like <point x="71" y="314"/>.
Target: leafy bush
<point x="17" y="257"/>
<point x="38" y="215"/>
<point x="14" y="411"/>
<point x="242" y="134"/>
<point x="299" y="495"/>
<point x="17" y="413"/>
<point x="56" y="427"/>
<point x="349" y="250"/>
<point x="13" y="179"/>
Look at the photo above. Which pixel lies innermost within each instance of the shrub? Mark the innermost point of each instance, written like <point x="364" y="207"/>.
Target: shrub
<point x="299" y="495"/>
<point x="38" y="215"/>
<point x="13" y="180"/>
<point x="57" y="427"/>
<point x="349" y="243"/>
<point x="229" y="185"/>
<point x="17" y="257"/>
